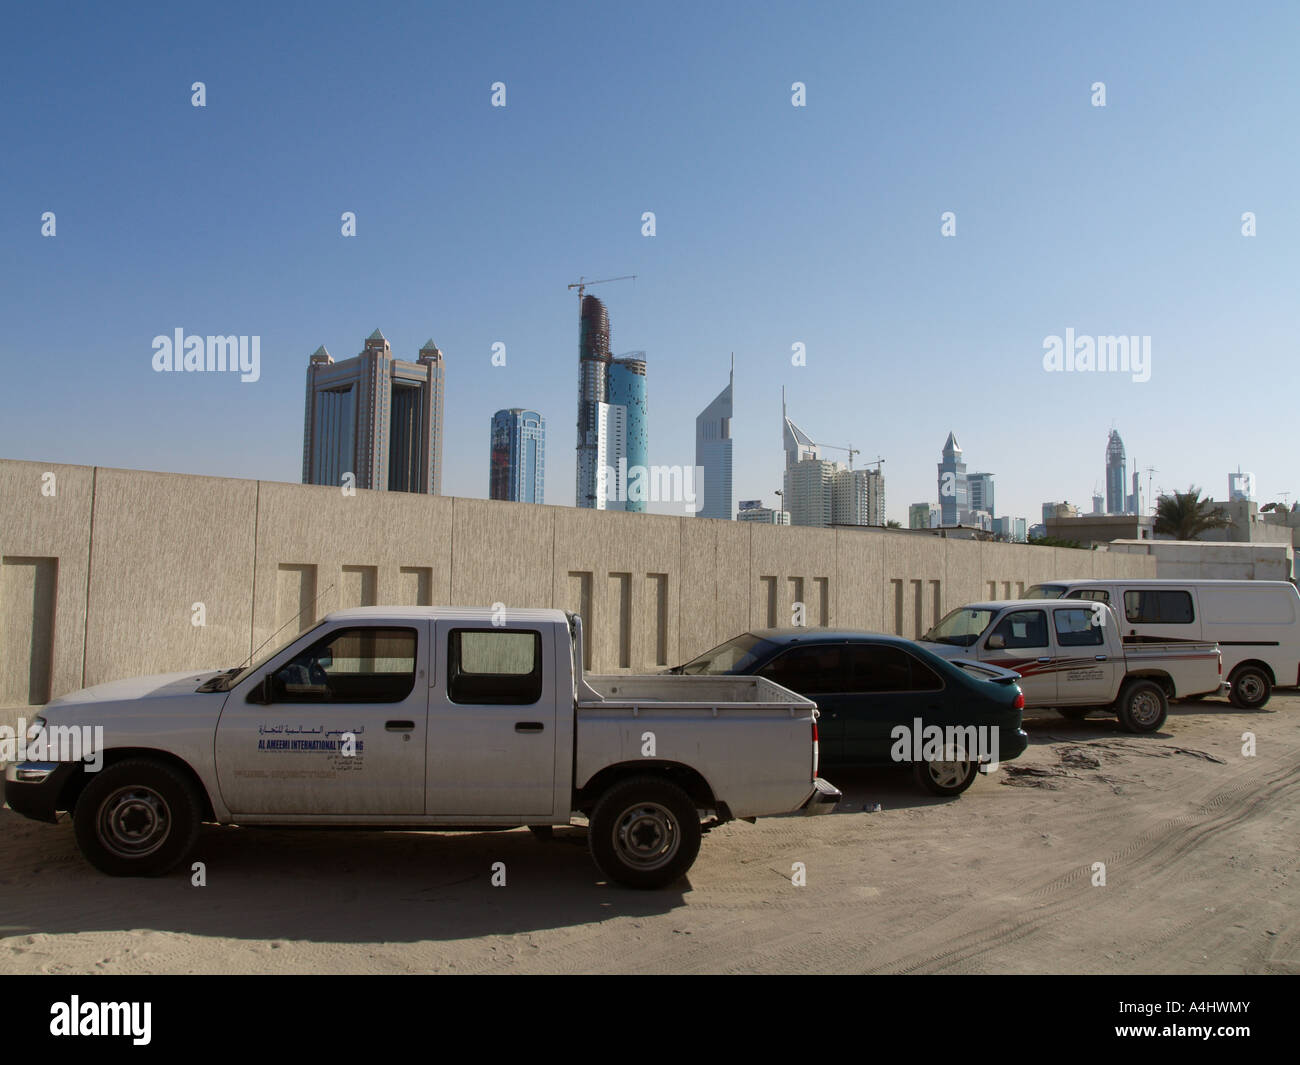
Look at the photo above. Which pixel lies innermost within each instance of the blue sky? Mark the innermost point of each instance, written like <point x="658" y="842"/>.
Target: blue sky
<point x="775" y="225"/>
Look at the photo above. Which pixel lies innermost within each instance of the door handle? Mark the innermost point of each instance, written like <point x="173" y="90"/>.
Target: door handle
<point x="1044" y="661"/>
<point x="529" y="726"/>
<point x="399" y="726"/>
<point x="1101" y="658"/>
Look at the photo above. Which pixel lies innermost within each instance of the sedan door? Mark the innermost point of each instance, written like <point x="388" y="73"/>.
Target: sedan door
<point x="814" y="671"/>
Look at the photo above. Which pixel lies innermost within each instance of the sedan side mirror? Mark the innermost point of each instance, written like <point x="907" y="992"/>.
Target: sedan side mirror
<point x="996" y="642"/>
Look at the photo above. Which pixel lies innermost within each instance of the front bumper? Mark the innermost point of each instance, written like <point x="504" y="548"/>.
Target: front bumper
<point x="823" y="799"/>
<point x="33" y="788"/>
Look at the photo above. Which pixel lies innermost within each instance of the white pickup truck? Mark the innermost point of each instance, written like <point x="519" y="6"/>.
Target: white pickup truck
<point x="1071" y="656"/>
<point x="423" y="717"/>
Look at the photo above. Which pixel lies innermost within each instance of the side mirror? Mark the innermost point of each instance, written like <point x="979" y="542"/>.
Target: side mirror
<point x="261" y="694"/>
<point x="996" y="642"/>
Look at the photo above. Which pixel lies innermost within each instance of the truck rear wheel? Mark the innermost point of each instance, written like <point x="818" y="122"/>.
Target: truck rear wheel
<point x="1142" y="706"/>
<point x="137" y="818"/>
<point x="1251" y="688"/>
<point x="644" y="832"/>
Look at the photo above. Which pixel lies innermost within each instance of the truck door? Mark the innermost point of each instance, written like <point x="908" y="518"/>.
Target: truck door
<point x="343" y="732"/>
<point x="492" y="721"/>
<point x="1085" y="674"/>
<point x="1020" y="641"/>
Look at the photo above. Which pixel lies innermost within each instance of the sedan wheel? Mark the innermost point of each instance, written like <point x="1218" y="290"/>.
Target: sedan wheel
<point x="946" y="778"/>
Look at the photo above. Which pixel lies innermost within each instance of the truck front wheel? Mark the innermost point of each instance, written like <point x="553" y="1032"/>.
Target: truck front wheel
<point x="1142" y="706"/>
<point x="644" y="832"/>
<point x="137" y="818"/>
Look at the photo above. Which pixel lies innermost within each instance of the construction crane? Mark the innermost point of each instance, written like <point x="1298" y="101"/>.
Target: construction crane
<point x="851" y="450"/>
<point x="582" y="283"/>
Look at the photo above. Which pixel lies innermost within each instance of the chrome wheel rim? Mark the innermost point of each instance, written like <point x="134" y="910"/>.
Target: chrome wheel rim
<point x="134" y="821"/>
<point x="647" y="836"/>
<point x="1145" y="708"/>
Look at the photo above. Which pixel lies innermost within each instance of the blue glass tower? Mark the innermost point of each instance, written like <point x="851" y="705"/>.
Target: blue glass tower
<point x="518" y="459"/>
<point x="627" y="389"/>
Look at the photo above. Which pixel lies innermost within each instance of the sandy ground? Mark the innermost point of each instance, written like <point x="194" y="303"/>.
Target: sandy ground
<point x="1200" y="846"/>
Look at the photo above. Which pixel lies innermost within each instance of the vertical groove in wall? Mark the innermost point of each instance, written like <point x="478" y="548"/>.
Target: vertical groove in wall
<point x="252" y="597"/>
<point x="90" y="552"/>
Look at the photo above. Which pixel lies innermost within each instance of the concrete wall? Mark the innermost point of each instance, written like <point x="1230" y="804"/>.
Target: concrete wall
<point x="104" y="573"/>
<point x="1194" y="560"/>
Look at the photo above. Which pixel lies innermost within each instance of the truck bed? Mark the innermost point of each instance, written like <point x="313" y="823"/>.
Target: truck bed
<point x="703" y="692"/>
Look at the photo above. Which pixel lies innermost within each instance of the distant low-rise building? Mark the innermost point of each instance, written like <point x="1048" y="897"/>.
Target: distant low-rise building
<point x="753" y="510"/>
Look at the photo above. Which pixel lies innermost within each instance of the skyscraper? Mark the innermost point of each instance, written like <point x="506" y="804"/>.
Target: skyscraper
<point x="1115" y="462"/>
<point x="713" y="452"/>
<point x="858" y="497"/>
<point x="954" y="492"/>
<point x="518" y="466"/>
<point x="625" y="386"/>
<point x="822" y="493"/>
<point x="613" y="425"/>
<point x="979" y="488"/>
<point x="593" y="366"/>
<point x="807" y="491"/>
<point x="376" y="417"/>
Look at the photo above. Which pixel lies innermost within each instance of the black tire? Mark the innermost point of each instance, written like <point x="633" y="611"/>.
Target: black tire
<point x="1251" y="687"/>
<point x="946" y="778"/>
<point x="644" y="832"/>
<point x="1074" y="713"/>
<point x="1142" y="706"/>
<point x="137" y="818"/>
<point x="542" y="832"/>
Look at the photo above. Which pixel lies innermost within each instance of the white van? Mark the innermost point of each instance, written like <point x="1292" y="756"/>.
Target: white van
<point x="1256" y="623"/>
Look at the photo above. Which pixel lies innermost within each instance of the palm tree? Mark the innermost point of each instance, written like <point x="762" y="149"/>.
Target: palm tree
<point x="1185" y="515"/>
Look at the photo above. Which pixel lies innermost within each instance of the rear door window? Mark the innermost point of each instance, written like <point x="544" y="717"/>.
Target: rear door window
<point x="1076" y="628"/>
<point x="494" y="666"/>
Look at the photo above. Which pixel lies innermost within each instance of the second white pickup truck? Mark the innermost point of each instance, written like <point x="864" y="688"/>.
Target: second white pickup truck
<point x="423" y="717"/>
<point x="1071" y="656"/>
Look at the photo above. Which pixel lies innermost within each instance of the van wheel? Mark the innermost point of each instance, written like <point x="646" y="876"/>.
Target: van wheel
<point x="644" y="832"/>
<point x="945" y="778"/>
<point x="1251" y="688"/>
<point x="1142" y="706"/>
<point x="137" y="818"/>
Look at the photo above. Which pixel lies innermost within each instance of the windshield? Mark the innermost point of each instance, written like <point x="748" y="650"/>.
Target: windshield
<point x="1045" y="591"/>
<point x="231" y="677"/>
<point x="734" y="656"/>
<point x="960" y="627"/>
